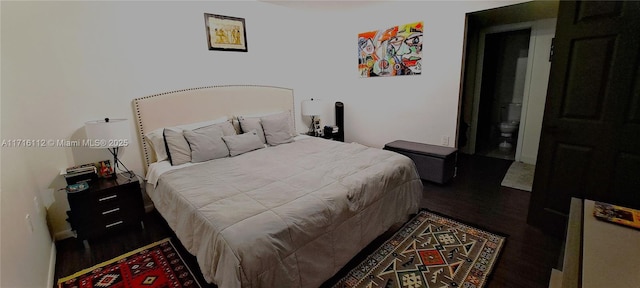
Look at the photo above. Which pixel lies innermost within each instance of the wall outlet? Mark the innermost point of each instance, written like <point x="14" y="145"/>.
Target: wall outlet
<point x="445" y="141"/>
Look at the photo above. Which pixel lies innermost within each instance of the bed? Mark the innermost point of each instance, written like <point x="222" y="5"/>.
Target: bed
<point x="286" y="215"/>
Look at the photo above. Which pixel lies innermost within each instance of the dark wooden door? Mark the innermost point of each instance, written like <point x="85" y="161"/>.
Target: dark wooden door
<point x="590" y="141"/>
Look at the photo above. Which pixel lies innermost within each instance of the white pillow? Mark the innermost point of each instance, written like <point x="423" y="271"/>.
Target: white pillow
<point x="206" y="143"/>
<point x="276" y="128"/>
<point x="227" y="128"/>
<point x="177" y="147"/>
<point x="252" y="124"/>
<point x="243" y="143"/>
<point x="156" y="139"/>
<point x="292" y="128"/>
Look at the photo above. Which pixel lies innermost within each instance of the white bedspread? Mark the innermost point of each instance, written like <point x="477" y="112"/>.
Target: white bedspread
<point x="286" y="216"/>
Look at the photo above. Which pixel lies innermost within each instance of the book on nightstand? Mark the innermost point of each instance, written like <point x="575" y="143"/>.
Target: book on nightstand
<point x="617" y="214"/>
<point x="81" y="173"/>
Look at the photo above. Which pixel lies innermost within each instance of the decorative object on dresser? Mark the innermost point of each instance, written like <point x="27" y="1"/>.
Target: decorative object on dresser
<point x="312" y="108"/>
<point x="110" y="134"/>
<point x="107" y="205"/>
<point x="617" y="214"/>
<point x="225" y="33"/>
<point x="158" y="264"/>
<point x="434" y="163"/>
<point x="429" y="249"/>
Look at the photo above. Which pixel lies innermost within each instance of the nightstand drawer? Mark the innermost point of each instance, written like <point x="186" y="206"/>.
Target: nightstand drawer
<point x="108" y="205"/>
<point x="106" y="224"/>
<point x="109" y="210"/>
<point x="99" y="229"/>
<point x="107" y="198"/>
<point x="113" y="204"/>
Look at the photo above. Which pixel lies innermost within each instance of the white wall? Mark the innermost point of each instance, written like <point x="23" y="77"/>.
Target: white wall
<point x="420" y="108"/>
<point x="544" y="31"/>
<point x="64" y="63"/>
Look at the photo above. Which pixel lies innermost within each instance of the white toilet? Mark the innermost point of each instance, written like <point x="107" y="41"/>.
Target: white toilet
<point x="510" y="124"/>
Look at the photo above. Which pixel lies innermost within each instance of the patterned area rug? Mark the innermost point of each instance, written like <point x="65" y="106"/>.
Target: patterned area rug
<point x="429" y="251"/>
<point x="155" y="265"/>
<point x="519" y="176"/>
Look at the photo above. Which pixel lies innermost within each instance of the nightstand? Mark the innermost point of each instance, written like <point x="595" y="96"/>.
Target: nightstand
<point x="108" y="205"/>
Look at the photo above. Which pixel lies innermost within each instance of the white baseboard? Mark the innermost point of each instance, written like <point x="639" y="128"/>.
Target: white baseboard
<point x="52" y="265"/>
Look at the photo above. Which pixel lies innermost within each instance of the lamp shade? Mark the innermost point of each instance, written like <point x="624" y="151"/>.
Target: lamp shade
<point x="107" y="133"/>
<point x="311" y="107"/>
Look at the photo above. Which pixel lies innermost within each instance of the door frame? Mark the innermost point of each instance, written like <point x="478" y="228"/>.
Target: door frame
<point x="471" y="147"/>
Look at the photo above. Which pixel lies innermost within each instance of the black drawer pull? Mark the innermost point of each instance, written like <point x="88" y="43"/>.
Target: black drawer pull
<point x="113" y="224"/>
<point x="110" y="211"/>
<point x="107" y="198"/>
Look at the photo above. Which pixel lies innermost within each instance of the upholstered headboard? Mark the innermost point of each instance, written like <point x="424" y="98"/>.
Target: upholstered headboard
<point x="205" y="103"/>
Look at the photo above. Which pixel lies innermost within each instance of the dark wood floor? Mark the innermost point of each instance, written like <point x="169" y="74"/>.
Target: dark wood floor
<point x="474" y="197"/>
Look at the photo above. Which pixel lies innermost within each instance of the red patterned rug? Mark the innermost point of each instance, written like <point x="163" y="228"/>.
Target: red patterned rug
<point x="155" y="265"/>
<point x="429" y="251"/>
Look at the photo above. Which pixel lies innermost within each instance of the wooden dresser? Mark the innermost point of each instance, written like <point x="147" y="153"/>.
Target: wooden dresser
<point x="597" y="253"/>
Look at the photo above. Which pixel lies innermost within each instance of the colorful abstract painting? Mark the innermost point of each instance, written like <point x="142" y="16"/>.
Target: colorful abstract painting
<point x="391" y="52"/>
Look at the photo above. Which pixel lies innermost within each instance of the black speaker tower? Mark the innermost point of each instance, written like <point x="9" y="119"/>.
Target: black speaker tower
<point x="340" y="121"/>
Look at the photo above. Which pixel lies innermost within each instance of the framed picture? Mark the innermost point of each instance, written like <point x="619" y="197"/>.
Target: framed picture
<point x="104" y="169"/>
<point x="225" y="33"/>
<point x="393" y="51"/>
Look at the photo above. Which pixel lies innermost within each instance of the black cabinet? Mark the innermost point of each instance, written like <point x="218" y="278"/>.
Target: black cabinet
<point x="108" y="205"/>
<point x="434" y="163"/>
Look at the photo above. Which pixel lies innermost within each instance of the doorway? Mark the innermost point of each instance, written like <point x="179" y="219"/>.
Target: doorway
<point x="485" y="103"/>
<point x="500" y="95"/>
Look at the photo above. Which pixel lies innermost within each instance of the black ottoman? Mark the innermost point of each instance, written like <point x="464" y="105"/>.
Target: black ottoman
<point x="434" y="163"/>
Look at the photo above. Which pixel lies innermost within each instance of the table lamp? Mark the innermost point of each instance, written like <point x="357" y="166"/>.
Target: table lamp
<point x="110" y="134"/>
<point x="311" y="108"/>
